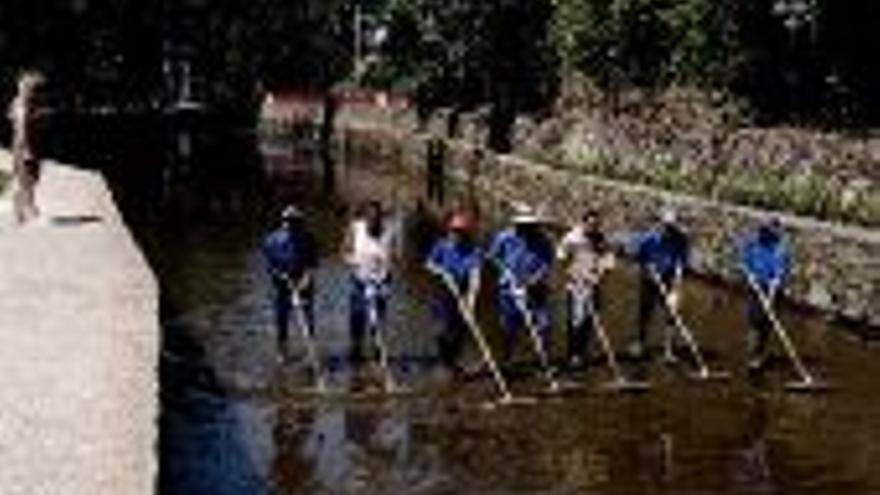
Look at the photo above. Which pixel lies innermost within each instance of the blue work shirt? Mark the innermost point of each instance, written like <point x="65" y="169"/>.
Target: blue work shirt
<point x="662" y="253"/>
<point x="766" y="262"/>
<point x="457" y="259"/>
<point x="518" y="259"/>
<point x="291" y="252"/>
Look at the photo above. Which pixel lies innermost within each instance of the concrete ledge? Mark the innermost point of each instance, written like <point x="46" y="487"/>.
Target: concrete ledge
<point x="79" y="344"/>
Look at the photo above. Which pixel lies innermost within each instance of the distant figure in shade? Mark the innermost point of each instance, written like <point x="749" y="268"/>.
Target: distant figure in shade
<point x="423" y="228"/>
<point x="25" y="158"/>
<point x="291" y="256"/>
<point x="435" y="175"/>
<point x="474" y="169"/>
<point x="764" y="259"/>
<point x="331" y="106"/>
<point x="662" y="252"/>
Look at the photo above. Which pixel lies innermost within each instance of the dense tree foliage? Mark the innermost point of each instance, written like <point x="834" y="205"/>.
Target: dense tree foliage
<point x="803" y="60"/>
<point x="806" y="61"/>
<point x="463" y="53"/>
<point x="647" y="43"/>
<point x="87" y="47"/>
<point x="796" y="60"/>
<point x="136" y="55"/>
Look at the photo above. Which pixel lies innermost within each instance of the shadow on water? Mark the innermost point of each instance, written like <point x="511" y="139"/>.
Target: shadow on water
<point x="235" y="422"/>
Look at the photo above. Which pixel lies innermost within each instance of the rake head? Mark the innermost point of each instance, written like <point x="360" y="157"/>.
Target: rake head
<point x="508" y="401"/>
<point x="625" y="385"/>
<point x="562" y="386"/>
<point x="706" y="374"/>
<point x="317" y="392"/>
<point x="396" y="390"/>
<point x="807" y="385"/>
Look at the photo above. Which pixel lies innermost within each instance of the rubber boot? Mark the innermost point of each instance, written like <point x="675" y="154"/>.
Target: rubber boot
<point x="669" y="357"/>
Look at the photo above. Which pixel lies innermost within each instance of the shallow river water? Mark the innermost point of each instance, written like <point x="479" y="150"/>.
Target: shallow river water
<point x="234" y="421"/>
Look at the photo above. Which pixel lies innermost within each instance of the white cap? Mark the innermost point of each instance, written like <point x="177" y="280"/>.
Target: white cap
<point x="668" y="216"/>
<point x="291" y="212"/>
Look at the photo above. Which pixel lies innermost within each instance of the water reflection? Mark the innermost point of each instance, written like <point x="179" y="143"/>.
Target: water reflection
<point x="750" y="464"/>
<point x="328" y="449"/>
<point x="334" y="449"/>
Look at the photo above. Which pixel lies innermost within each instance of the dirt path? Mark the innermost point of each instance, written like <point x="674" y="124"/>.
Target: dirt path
<point x="79" y="338"/>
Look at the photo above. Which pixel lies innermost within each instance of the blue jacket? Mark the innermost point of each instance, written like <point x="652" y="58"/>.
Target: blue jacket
<point x="767" y="263"/>
<point x="290" y="252"/>
<point x="455" y="259"/>
<point x="661" y="253"/>
<point x="520" y="260"/>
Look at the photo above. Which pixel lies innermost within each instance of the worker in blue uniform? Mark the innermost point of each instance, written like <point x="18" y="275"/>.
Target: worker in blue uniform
<point x="524" y="256"/>
<point x="661" y="252"/>
<point x="291" y="257"/>
<point x="765" y="260"/>
<point x="456" y="259"/>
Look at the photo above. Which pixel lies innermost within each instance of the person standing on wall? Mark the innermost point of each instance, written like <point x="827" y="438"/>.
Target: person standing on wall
<point x="456" y="259"/>
<point x="291" y="256"/>
<point x="662" y="252"/>
<point x="25" y="158"/>
<point x="586" y="250"/>
<point x="524" y="256"/>
<point x="765" y="260"/>
<point x="370" y="248"/>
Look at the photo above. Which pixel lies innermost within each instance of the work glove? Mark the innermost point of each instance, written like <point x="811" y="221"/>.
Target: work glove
<point x="470" y="303"/>
<point x="520" y="292"/>
<point x="673" y="299"/>
<point x="607" y="263"/>
<point x="773" y="290"/>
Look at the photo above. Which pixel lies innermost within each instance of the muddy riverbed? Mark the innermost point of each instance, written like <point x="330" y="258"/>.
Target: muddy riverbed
<point x="234" y="421"/>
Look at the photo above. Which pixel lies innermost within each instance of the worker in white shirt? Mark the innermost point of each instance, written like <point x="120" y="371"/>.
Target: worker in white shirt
<point x="370" y="249"/>
<point x="584" y="250"/>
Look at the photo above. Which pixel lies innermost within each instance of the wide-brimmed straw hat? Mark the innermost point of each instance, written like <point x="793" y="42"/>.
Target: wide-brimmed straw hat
<point x="525" y="214"/>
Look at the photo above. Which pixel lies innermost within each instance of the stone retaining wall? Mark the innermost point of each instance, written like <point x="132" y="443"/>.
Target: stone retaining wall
<point x="836" y="267"/>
